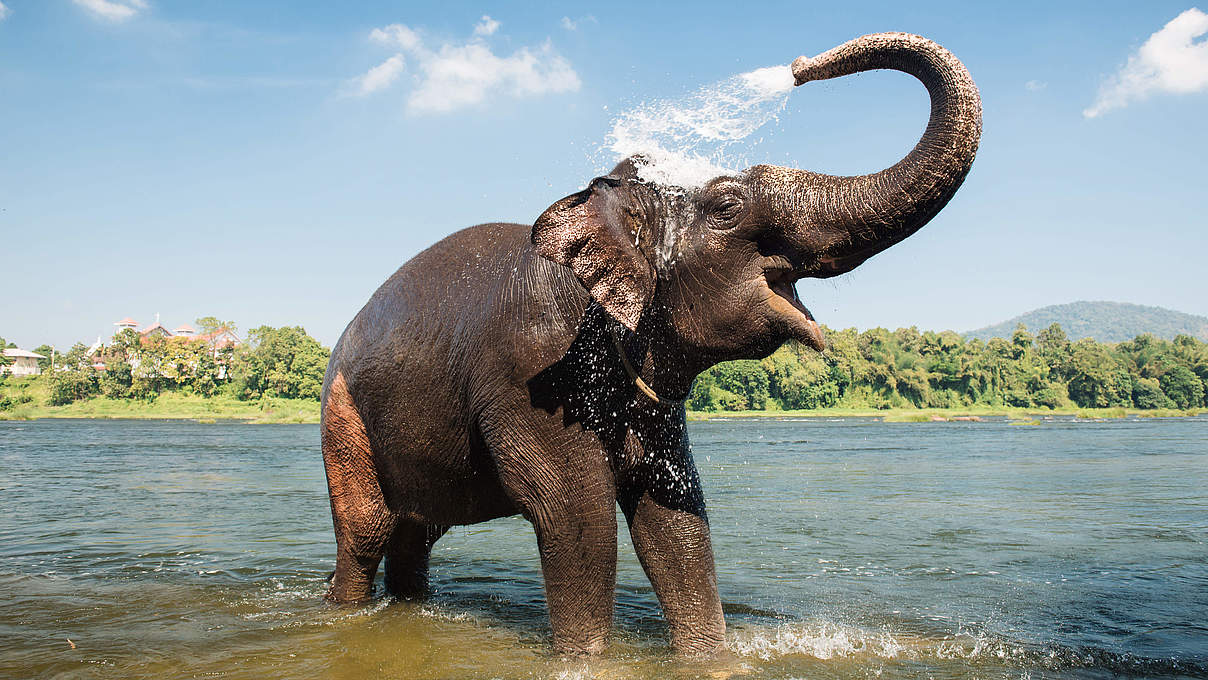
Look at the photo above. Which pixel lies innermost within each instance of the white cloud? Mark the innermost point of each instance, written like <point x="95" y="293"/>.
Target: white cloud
<point x="456" y="75"/>
<point x="4" y="11"/>
<point x="114" y="10"/>
<point x="574" y="24"/>
<point x="463" y="75"/>
<point x="396" y="35"/>
<point x="380" y="76"/>
<point x="1035" y="85"/>
<point x="1169" y="61"/>
<point x="487" y="26"/>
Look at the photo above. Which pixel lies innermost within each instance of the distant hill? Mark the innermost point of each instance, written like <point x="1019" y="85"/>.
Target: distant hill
<point x="1103" y="321"/>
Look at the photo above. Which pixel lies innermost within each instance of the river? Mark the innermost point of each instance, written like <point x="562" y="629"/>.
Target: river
<point x="845" y="548"/>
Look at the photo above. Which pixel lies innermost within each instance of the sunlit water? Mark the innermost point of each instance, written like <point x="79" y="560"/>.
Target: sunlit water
<point x="848" y="548"/>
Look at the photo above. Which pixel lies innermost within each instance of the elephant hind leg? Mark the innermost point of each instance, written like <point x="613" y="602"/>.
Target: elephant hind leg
<point x="363" y="522"/>
<point x="407" y="558"/>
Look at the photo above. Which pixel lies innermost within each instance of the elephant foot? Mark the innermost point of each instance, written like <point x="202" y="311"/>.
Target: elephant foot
<point x="710" y="645"/>
<point x="352" y="582"/>
<point x="569" y="649"/>
<point x="720" y="664"/>
<point x="347" y="593"/>
<point x="343" y="598"/>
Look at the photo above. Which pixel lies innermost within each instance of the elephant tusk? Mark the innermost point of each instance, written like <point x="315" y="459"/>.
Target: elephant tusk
<point x="629" y="370"/>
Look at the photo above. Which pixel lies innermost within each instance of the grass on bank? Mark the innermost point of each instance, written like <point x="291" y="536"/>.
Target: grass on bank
<point x="169" y="405"/>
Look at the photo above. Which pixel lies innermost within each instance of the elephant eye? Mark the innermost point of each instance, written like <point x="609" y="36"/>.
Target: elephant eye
<point x="726" y="209"/>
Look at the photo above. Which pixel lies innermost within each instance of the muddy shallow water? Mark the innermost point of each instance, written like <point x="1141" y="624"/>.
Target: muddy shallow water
<point x="847" y="548"/>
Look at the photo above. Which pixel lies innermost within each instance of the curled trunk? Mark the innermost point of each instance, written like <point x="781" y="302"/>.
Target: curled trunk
<point x="846" y="220"/>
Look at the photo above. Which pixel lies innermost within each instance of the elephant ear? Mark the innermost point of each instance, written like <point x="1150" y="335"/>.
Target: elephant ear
<point x="595" y="233"/>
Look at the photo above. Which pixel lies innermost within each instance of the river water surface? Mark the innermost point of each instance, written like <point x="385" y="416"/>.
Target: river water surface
<point x="849" y="548"/>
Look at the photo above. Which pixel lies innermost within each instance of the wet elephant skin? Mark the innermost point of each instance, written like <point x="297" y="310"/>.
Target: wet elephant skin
<point x="543" y="422"/>
<point x="487" y="377"/>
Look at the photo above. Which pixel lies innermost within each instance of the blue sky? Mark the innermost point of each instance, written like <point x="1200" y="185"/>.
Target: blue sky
<point x="273" y="162"/>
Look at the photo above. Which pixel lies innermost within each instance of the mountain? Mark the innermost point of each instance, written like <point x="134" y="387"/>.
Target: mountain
<point x="1103" y="321"/>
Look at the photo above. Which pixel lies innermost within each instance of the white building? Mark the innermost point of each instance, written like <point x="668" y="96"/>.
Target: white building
<point x="24" y="362"/>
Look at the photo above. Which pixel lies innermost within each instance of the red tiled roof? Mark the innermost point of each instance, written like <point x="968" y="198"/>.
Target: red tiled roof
<point x="217" y="334"/>
<point x="157" y="326"/>
<point x="184" y="328"/>
<point x="126" y="322"/>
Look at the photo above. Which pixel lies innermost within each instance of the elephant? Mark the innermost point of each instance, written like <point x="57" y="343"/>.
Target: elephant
<point x="542" y="369"/>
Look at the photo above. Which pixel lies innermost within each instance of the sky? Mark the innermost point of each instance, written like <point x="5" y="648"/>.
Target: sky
<point x="273" y="162"/>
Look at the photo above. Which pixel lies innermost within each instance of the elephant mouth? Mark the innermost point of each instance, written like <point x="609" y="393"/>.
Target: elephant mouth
<point x="780" y="278"/>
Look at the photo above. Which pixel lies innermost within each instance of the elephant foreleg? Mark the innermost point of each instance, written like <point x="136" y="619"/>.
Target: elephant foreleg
<point x="670" y="532"/>
<point x="562" y="482"/>
<point x="578" y="547"/>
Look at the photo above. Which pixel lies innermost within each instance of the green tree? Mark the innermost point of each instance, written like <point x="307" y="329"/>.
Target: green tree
<point x="212" y="324"/>
<point x="49" y="359"/>
<point x="701" y="397"/>
<point x="1022" y="341"/>
<point x="75" y="378"/>
<point x="121" y="356"/>
<point x="1054" y="347"/>
<point x="279" y="362"/>
<point x="149" y="366"/>
<point x="117" y="380"/>
<point x="1182" y="386"/>
<point x="4" y="360"/>
<point x="1097" y="380"/>
<point x="848" y="367"/>
<point x="800" y="379"/>
<point x="1147" y="393"/>
<point x="745" y="378"/>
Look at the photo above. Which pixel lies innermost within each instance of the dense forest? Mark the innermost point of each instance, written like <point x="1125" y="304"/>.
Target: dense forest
<point x="884" y="369"/>
<point x="875" y="369"/>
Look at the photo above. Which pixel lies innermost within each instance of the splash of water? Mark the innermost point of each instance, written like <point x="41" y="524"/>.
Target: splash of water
<point x="686" y="142"/>
<point x="821" y="641"/>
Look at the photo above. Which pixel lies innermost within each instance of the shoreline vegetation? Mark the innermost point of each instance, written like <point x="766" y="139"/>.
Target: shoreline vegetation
<point x="271" y="411"/>
<point x="896" y="376"/>
<point x="274" y="377"/>
<point x="265" y="411"/>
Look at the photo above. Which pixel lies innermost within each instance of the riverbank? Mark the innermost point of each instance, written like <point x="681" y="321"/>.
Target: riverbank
<point x="303" y="411"/>
<point x="171" y="406"/>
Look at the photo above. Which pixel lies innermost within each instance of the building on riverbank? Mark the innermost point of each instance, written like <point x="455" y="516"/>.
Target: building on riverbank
<point x="218" y="343"/>
<point x="24" y="362"/>
<point x="219" y="339"/>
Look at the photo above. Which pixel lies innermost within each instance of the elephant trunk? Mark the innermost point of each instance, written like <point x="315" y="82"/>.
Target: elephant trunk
<point x="857" y="217"/>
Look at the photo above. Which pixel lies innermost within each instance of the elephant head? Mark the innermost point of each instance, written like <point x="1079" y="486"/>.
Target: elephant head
<point x="711" y="271"/>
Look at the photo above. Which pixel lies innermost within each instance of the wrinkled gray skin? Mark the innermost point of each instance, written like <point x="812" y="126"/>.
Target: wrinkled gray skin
<point x="481" y="380"/>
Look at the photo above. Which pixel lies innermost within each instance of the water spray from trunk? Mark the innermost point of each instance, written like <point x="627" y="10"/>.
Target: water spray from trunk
<point x="688" y="141"/>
